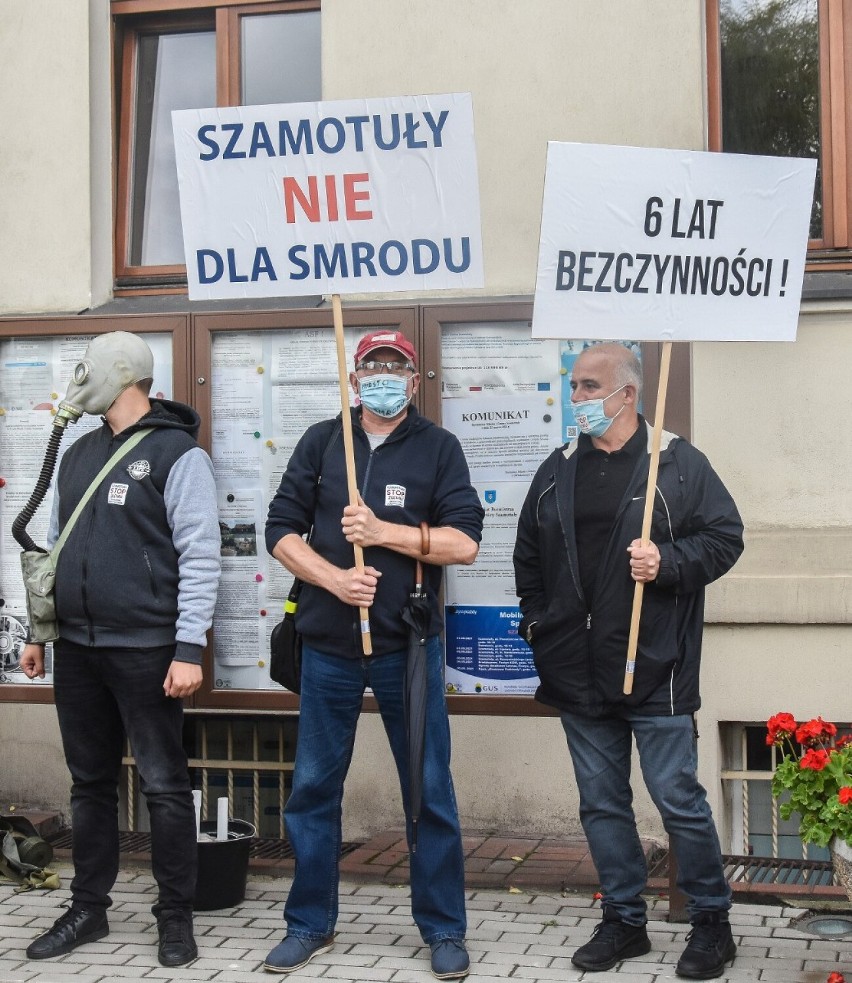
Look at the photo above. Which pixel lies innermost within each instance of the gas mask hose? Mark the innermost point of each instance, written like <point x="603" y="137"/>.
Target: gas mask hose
<point x="19" y="526"/>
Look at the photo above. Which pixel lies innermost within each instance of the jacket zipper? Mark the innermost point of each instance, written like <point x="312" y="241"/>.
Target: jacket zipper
<point x="154" y="589"/>
<point x="84" y="595"/>
<point x="357" y="625"/>
<point x="367" y="474"/>
<point x="84" y="570"/>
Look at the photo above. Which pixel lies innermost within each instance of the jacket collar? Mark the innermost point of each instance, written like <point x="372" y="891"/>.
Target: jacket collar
<point x="666" y="438"/>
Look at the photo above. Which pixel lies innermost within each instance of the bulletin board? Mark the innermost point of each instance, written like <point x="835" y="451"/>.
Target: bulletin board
<point x="37" y="358"/>
<point x="258" y="380"/>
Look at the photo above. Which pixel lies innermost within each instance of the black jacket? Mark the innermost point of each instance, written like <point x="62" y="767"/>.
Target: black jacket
<point x="141" y="565"/>
<point x="418" y="474"/>
<point x="580" y="652"/>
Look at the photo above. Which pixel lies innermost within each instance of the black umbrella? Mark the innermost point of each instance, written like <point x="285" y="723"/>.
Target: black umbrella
<point x="416" y="615"/>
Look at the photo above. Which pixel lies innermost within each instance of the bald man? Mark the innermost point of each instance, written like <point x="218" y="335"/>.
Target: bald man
<point x="577" y="558"/>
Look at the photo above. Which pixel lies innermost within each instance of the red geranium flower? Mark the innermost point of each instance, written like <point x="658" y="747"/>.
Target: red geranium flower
<point x="815" y="758"/>
<point x="835" y="978"/>
<point x="780" y="726"/>
<point x="814" y="730"/>
<point x="813" y="777"/>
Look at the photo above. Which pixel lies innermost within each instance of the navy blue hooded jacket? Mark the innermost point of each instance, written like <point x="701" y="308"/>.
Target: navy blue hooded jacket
<point x="418" y="474"/>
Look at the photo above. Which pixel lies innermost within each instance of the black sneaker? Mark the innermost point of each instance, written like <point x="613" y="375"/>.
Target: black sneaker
<point x="177" y="944"/>
<point x="612" y="941"/>
<point x="710" y="945"/>
<point x="77" y="926"/>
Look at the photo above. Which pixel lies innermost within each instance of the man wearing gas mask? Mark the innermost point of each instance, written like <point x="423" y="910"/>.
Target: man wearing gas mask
<point x="135" y="591"/>
<point x="409" y="472"/>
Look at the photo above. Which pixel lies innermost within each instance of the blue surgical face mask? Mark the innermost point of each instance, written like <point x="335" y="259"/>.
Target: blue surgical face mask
<point x="384" y="395"/>
<point x="590" y="415"/>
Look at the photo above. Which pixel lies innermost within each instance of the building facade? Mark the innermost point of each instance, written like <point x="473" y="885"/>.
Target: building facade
<point x="91" y="243"/>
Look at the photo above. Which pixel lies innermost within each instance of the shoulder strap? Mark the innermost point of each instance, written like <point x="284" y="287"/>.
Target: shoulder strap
<point x="295" y="590"/>
<point x="338" y="427"/>
<point x="125" y="448"/>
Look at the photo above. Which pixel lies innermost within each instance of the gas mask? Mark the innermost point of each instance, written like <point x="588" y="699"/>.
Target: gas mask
<point x="113" y="362"/>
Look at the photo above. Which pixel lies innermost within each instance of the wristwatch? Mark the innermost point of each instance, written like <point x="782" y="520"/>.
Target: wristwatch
<point x="529" y="632"/>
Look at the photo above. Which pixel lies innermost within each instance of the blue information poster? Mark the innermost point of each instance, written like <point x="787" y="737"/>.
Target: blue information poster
<point x="485" y="653"/>
<point x="507" y="397"/>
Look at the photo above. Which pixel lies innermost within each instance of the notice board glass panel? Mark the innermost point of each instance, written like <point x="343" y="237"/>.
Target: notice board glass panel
<point x="507" y="397"/>
<point x="266" y="379"/>
<point x="36" y="362"/>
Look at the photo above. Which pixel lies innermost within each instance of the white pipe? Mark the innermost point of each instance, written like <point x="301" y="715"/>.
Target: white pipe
<point x="222" y="819"/>
<point x="196" y="801"/>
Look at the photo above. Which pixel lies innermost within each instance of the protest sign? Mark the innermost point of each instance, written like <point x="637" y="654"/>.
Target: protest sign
<point x="354" y="196"/>
<point x="671" y="245"/>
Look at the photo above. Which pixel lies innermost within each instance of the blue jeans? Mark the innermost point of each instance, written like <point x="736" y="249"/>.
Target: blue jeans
<point x="600" y="750"/>
<point x="101" y="694"/>
<point x="332" y="688"/>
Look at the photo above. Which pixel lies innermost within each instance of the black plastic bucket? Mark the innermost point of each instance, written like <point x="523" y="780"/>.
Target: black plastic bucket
<point x="223" y="866"/>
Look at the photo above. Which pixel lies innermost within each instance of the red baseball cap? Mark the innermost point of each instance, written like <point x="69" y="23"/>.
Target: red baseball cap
<point x="385" y="339"/>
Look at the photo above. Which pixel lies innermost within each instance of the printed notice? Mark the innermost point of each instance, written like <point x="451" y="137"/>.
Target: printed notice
<point x="504" y="437"/>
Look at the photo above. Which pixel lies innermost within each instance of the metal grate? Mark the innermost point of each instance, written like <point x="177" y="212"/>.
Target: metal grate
<point x="760" y="870"/>
<point x="248" y="759"/>
<point x="774" y="870"/>
<point x="139" y="844"/>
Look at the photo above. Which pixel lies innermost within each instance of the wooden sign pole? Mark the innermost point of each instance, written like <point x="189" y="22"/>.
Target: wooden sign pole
<point x="349" y="451"/>
<point x="650" y="494"/>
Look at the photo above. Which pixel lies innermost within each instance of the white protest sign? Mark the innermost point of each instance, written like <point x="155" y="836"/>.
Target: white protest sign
<point x="354" y="196"/>
<point x="671" y="245"/>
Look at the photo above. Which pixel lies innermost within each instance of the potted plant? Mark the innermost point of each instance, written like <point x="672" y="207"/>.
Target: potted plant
<point x="814" y="779"/>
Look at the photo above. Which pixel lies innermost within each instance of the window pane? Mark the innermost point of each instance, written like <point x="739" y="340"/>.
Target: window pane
<point x="176" y="71"/>
<point x="281" y="58"/>
<point x="770" y="82"/>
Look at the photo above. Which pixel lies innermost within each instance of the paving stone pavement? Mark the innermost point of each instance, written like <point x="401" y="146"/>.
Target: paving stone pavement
<point x="521" y="935"/>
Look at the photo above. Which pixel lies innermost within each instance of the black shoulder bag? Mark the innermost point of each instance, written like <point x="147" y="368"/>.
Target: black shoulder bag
<point x="285" y="643"/>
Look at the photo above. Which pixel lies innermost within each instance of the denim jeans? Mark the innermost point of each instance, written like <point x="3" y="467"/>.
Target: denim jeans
<point x="332" y="688"/>
<point x="601" y="750"/>
<point x="101" y="694"/>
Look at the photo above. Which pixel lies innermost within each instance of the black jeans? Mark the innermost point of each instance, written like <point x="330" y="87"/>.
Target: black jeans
<point x="101" y="694"/>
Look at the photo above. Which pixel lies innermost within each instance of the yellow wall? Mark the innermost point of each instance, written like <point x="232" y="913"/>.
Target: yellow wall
<point x="45" y="163"/>
<point x="612" y="71"/>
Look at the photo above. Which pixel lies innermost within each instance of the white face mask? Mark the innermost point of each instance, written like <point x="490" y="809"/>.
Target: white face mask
<point x="590" y="415"/>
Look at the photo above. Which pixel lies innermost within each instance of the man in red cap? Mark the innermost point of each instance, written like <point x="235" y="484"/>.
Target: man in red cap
<point x="395" y="340"/>
<point x="408" y="472"/>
